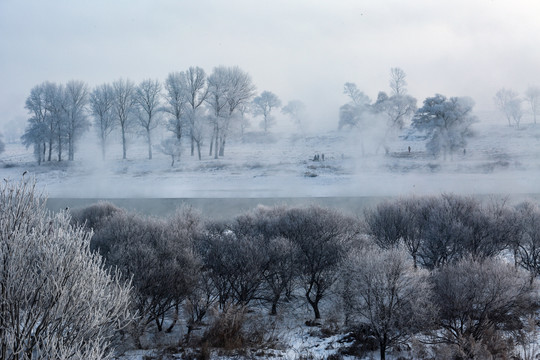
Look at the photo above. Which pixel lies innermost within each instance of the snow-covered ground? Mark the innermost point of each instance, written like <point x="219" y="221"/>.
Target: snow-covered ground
<point x="499" y="160"/>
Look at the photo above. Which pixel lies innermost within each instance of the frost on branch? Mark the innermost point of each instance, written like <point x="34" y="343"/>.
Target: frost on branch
<point x="56" y="299"/>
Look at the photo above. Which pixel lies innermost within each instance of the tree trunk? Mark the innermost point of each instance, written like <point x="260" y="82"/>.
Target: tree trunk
<point x="199" y="149"/>
<point x="123" y="143"/>
<point x="222" y="147"/>
<point x="59" y="148"/>
<point x="216" y="144"/>
<point x="149" y="138"/>
<point x="175" y="319"/>
<point x="71" y="147"/>
<point x="315" y="306"/>
<point x="103" y="149"/>
<point x="382" y="350"/>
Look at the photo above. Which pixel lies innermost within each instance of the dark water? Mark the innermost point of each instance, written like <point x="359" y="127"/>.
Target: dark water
<point x="218" y="208"/>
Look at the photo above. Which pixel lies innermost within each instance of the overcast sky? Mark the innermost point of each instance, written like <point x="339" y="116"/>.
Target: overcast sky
<point x="301" y="50"/>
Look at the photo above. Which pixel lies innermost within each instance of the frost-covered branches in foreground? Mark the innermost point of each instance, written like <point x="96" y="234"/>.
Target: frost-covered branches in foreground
<point x="57" y="301"/>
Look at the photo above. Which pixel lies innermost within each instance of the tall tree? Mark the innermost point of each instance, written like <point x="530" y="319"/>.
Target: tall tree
<point x="101" y="107"/>
<point x="263" y="105"/>
<point x="175" y="106"/>
<point x="296" y="110"/>
<point x="124" y="105"/>
<point x="532" y="95"/>
<point x="397" y="81"/>
<point x="148" y="101"/>
<point x="446" y="122"/>
<point x="56" y="119"/>
<point x="506" y="100"/>
<point x="383" y="291"/>
<point x="217" y="102"/>
<point x="36" y="133"/>
<point x="240" y="91"/>
<point x="76" y="100"/>
<point x="353" y="113"/>
<point x="197" y="91"/>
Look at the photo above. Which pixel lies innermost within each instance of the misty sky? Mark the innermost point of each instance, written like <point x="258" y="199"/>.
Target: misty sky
<point x="301" y="50"/>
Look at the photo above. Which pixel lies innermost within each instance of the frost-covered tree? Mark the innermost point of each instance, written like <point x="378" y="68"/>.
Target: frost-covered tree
<point x="101" y="107"/>
<point x="158" y="259"/>
<point x="322" y="237"/>
<point x="47" y="125"/>
<point x="57" y="300"/>
<point x="295" y="109"/>
<point x="240" y="90"/>
<point x="532" y="95"/>
<point x="76" y="100"/>
<point x="446" y="121"/>
<point x="123" y="108"/>
<point x="176" y="100"/>
<point x="353" y="113"/>
<point x="263" y="105"/>
<point x="171" y="147"/>
<point x="196" y="93"/>
<point x="528" y="244"/>
<point x="383" y="291"/>
<point x="397" y="81"/>
<point x="480" y="301"/>
<point x="508" y="103"/>
<point x="148" y="104"/>
<point x="398" y="108"/>
<point x="217" y="103"/>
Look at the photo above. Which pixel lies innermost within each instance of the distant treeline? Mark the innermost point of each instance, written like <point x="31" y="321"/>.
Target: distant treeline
<point x="189" y="104"/>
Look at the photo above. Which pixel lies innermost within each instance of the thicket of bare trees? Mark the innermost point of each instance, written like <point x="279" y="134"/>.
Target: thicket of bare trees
<point x="456" y="272"/>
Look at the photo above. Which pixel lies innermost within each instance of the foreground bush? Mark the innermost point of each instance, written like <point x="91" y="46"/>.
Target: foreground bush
<point x="56" y="299"/>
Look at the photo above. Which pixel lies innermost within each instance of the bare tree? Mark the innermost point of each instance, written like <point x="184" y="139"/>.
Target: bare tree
<point x="508" y="103"/>
<point x="217" y="101"/>
<point x="76" y="100"/>
<point x="197" y="91"/>
<point x="397" y="81"/>
<point x="263" y="105"/>
<point x="56" y="121"/>
<point x="528" y="244"/>
<point x="156" y="256"/>
<point x="36" y="133"/>
<point x="171" y="147"/>
<point x="385" y="292"/>
<point x="478" y="298"/>
<point x="57" y="299"/>
<point x="532" y="95"/>
<point x="240" y="91"/>
<point x="124" y="105"/>
<point x="296" y="110"/>
<point x="148" y="99"/>
<point x="322" y="237"/>
<point x="176" y="100"/>
<point x="101" y="106"/>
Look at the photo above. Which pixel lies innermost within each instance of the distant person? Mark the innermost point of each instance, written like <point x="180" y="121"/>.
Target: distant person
<point x="409" y="149"/>
<point x="322" y="156"/>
